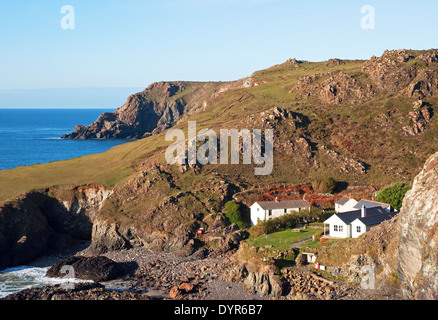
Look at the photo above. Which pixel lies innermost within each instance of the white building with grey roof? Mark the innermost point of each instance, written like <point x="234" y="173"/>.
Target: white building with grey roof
<point x="352" y="224"/>
<point x="345" y="204"/>
<point x="264" y="210"/>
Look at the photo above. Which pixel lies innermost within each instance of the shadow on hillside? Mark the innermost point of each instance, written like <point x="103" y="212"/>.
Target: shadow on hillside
<point x="340" y="186"/>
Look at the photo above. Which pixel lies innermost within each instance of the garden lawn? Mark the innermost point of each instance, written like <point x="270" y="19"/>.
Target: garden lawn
<point x="282" y="240"/>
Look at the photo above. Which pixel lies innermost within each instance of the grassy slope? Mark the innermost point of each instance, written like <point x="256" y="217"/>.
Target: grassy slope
<point x="104" y="168"/>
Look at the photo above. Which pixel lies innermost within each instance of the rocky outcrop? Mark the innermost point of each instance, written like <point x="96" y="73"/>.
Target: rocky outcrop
<point x="262" y="282"/>
<point x="334" y="62"/>
<point x="332" y="88"/>
<point x="423" y="85"/>
<point x="45" y="220"/>
<point x="418" y="238"/>
<point x="419" y="118"/>
<point x="387" y="71"/>
<point x="222" y="236"/>
<point x="273" y="117"/>
<point x="158" y="107"/>
<point x="108" y="236"/>
<point x="265" y="284"/>
<point x="81" y="291"/>
<point x="301" y="285"/>
<point x="24" y="232"/>
<point x="292" y="62"/>
<point x="392" y="73"/>
<point x="88" y="268"/>
<point x="346" y="165"/>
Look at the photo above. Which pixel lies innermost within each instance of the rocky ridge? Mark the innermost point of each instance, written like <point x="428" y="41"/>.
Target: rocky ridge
<point x="333" y="88"/>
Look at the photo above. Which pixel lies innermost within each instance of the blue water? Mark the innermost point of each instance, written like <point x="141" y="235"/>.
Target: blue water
<point x="15" y="279"/>
<point x="30" y="136"/>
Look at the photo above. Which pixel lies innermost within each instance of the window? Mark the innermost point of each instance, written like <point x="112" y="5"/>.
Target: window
<point x="341" y="228"/>
<point x="358" y="229"/>
<point x="285" y="210"/>
<point x="269" y="212"/>
<point x="335" y="228"/>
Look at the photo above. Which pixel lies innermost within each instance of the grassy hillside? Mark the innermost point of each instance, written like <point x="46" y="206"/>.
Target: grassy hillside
<point x="351" y="122"/>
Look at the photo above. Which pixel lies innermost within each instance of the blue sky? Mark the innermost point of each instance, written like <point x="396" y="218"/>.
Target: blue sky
<point x="133" y="43"/>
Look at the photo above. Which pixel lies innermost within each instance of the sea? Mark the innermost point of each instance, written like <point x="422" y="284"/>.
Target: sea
<point x="15" y="279"/>
<point x="31" y="136"/>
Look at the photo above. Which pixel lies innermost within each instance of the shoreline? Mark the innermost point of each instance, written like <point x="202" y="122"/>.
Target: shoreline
<point x="158" y="275"/>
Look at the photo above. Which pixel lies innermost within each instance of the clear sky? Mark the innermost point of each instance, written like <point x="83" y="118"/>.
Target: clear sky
<point x="133" y="43"/>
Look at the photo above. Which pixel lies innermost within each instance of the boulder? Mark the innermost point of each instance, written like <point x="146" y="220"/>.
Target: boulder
<point x="264" y="284"/>
<point x="88" y="268"/>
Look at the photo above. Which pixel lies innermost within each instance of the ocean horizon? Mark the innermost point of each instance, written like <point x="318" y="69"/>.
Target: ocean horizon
<point x="30" y="136"/>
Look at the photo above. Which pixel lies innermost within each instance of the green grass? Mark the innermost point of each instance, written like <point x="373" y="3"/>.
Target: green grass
<point x="107" y="168"/>
<point x="310" y="244"/>
<point x="282" y="240"/>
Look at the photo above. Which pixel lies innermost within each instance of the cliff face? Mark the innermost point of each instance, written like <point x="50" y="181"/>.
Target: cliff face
<point x="158" y="107"/>
<point x="48" y="219"/>
<point x="418" y="238"/>
<point x="154" y="211"/>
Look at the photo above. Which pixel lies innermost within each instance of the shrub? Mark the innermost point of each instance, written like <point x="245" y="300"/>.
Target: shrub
<point x="234" y="214"/>
<point x="326" y="185"/>
<point x="286" y="221"/>
<point x="393" y="195"/>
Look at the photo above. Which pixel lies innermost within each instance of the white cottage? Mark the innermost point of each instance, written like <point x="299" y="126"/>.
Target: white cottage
<point x="364" y="224"/>
<point x="354" y="223"/>
<point x="345" y="204"/>
<point x="263" y="210"/>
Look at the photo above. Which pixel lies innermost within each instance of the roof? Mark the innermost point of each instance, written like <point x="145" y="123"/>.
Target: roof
<point x="283" y="204"/>
<point x="371" y="204"/>
<point x="350" y="216"/>
<point x="376" y="219"/>
<point x="343" y="200"/>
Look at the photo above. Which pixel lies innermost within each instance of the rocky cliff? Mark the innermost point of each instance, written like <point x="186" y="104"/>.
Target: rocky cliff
<point x="418" y="238"/>
<point x="151" y="111"/>
<point x="152" y="210"/>
<point x="44" y="220"/>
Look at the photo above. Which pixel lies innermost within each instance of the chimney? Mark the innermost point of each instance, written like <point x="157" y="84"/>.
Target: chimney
<point x="374" y="199"/>
<point x="276" y="199"/>
<point x="363" y="212"/>
<point x="350" y="195"/>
